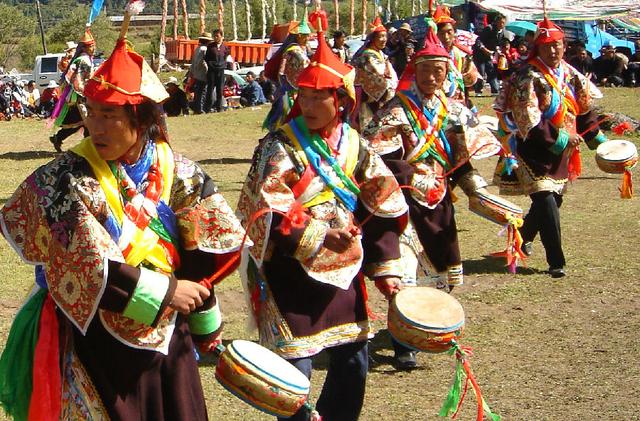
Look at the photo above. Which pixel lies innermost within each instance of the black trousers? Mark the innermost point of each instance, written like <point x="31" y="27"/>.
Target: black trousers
<point x="343" y="392"/>
<point x="215" y="80"/>
<point x="199" y="93"/>
<point x="544" y="218"/>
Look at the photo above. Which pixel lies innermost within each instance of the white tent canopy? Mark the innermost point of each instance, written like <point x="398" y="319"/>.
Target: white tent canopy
<point x="561" y="9"/>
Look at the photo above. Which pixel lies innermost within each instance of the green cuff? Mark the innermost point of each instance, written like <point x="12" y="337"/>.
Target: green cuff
<point x="148" y="296"/>
<point x="594" y="142"/>
<point x="205" y="322"/>
<point x="561" y="143"/>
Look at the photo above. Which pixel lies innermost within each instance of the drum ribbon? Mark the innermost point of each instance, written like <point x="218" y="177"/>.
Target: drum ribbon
<point x="457" y="393"/>
<point x="626" y="189"/>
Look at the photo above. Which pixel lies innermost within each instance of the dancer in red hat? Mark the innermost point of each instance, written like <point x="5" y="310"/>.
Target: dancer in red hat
<point x="304" y="278"/>
<point x="462" y="72"/>
<point x="119" y="228"/>
<point x="420" y="135"/>
<point x="376" y="81"/>
<point x="66" y="114"/>
<point x="545" y="112"/>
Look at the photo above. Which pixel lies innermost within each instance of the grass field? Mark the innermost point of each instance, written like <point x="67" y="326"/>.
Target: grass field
<point x="543" y="349"/>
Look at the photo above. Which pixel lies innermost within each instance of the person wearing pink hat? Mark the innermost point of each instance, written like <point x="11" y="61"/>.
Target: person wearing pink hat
<point x="421" y="136"/>
<point x="545" y="112"/>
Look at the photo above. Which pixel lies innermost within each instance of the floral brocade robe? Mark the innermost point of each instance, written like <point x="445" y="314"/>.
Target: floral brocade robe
<point x="531" y="137"/>
<point x="305" y="297"/>
<point x="58" y="219"/>
<point x="378" y="81"/>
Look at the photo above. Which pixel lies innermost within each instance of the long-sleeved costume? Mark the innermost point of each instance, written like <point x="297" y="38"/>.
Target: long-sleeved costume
<point x="376" y="79"/>
<point x="423" y="142"/>
<point x="123" y="352"/>
<point x="539" y="108"/>
<point x="304" y="296"/>
<point x="294" y="61"/>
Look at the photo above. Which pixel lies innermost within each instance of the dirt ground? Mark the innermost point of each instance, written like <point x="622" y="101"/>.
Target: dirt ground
<point x="543" y="349"/>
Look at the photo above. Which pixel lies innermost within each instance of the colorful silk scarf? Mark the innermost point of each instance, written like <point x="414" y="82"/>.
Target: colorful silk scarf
<point x="563" y="97"/>
<point x="428" y="125"/>
<point x="316" y="150"/>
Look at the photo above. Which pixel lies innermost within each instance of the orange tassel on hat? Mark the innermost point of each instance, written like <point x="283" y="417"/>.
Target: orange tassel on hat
<point x="626" y="189"/>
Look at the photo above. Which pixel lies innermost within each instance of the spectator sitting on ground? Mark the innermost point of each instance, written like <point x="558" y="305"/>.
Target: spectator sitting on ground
<point x="582" y="61"/>
<point x="177" y="102"/>
<point x="32" y="95"/>
<point x="633" y="69"/>
<point x="48" y="99"/>
<point x="268" y="88"/>
<point x="252" y="94"/>
<point x="609" y="67"/>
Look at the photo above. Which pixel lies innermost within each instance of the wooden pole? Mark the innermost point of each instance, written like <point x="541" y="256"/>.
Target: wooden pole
<point x="295" y="10"/>
<point x="163" y="21"/>
<point x="185" y="19"/>
<point x="352" y="17"/>
<point x="364" y="17"/>
<point x="175" y="19"/>
<point x="263" y="4"/>
<point x="247" y="8"/>
<point x="420" y="7"/>
<point x="413" y="7"/>
<point x="221" y="16"/>
<point x="203" y="13"/>
<point x="336" y="8"/>
<point x="44" y="41"/>
<point x="273" y="12"/>
<point x="234" y="21"/>
<point x="395" y="9"/>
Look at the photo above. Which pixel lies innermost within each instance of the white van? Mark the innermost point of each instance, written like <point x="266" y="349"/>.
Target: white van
<point x="46" y="69"/>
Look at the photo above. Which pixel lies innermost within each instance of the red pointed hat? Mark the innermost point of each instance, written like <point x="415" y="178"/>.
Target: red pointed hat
<point x="547" y="32"/>
<point x="442" y="16"/>
<point x="433" y="50"/>
<point x="326" y="71"/>
<point x="125" y="78"/>
<point x="377" y="26"/>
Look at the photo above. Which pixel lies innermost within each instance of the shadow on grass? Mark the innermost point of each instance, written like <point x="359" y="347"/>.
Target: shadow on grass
<point x="489" y="265"/>
<point x="225" y="161"/>
<point x="27" y="155"/>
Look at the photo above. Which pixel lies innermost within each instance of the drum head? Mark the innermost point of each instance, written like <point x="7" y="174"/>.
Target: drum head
<point x="430" y="309"/>
<point x="499" y="202"/>
<point x="270" y="366"/>
<point x="616" y="150"/>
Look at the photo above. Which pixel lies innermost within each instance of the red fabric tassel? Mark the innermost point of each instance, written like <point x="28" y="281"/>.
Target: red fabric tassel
<point x="626" y="189"/>
<point x="46" y="398"/>
<point x="622" y="128"/>
<point x="575" y="164"/>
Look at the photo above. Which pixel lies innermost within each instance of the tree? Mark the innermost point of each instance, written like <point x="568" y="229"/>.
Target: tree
<point x="15" y="28"/>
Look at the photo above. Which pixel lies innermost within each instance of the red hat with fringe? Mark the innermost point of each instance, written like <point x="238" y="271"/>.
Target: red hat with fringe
<point x="326" y="71"/>
<point x="125" y="78"/>
<point x="442" y="16"/>
<point x="377" y="26"/>
<point x="547" y="32"/>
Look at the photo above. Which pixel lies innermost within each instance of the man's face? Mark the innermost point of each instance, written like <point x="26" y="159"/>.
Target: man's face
<point x="338" y="42"/>
<point x="609" y="52"/>
<point x="430" y="76"/>
<point x="404" y="34"/>
<point x="500" y="23"/>
<point x="447" y="35"/>
<point x="250" y="77"/>
<point x="551" y="53"/>
<point x="582" y="55"/>
<point x="217" y="38"/>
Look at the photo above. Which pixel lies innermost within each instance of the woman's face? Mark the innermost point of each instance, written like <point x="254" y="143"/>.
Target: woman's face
<point x="302" y="39"/>
<point x="379" y="40"/>
<point x="112" y="133"/>
<point x="318" y="107"/>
